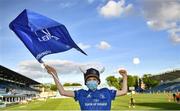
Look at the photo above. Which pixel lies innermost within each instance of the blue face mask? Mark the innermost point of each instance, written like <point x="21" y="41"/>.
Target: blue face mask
<point x="92" y="84"/>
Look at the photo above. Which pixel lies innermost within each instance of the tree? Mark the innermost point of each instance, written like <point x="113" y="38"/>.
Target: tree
<point x="67" y="84"/>
<point x="113" y="82"/>
<point x="136" y="82"/>
<point x="149" y="81"/>
<point x="76" y="84"/>
<point x="53" y="87"/>
<point x="72" y="84"/>
<point x="131" y="81"/>
<point x="116" y="82"/>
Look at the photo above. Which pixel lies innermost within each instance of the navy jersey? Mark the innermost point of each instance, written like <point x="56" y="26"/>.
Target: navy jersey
<point x="99" y="99"/>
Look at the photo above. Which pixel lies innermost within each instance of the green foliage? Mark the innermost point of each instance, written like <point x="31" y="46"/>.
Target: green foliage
<point x="132" y="81"/>
<point x="116" y="82"/>
<point x="113" y="82"/>
<point x="149" y="81"/>
<point x="72" y="84"/>
<point x="53" y="87"/>
<point x="67" y="84"/>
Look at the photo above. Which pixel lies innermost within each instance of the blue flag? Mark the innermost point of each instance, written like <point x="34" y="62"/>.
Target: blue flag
<point x="42" y="35"/>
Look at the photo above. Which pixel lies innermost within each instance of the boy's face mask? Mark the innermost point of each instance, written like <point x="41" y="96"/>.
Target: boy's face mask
<point x="92" y="84"/>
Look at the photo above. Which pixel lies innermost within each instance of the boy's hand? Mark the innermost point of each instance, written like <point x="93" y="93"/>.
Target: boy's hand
<point x="123" y="72"/>
<point x="50" y="69"/>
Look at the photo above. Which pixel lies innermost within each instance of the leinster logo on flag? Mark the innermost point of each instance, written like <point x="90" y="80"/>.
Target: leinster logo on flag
<point x="44" y="35"/>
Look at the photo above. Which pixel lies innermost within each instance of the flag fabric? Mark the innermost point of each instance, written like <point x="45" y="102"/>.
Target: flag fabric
<point x="42" y="35"/>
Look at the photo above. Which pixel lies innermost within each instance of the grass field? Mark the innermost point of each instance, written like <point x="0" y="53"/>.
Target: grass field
<point x="143" y="102"/>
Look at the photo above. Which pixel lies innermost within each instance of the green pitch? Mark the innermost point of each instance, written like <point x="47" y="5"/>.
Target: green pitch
<point x="142" y="102"/>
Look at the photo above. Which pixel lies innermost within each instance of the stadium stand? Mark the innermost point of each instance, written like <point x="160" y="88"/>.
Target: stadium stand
<point x="15" y="88"/>
<point x="169" y="81"/>
<point x="168" y="86"/>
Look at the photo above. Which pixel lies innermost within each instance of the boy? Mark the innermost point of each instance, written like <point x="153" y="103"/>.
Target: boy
<point x="93" y="98"/>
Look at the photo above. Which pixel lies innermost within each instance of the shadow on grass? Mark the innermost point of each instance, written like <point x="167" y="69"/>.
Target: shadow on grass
<point x="161" y="105"/>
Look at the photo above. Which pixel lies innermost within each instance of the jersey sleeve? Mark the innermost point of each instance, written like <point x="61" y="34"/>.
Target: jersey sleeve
<point x="112" y="94"/>
<point x="77" y="94"/>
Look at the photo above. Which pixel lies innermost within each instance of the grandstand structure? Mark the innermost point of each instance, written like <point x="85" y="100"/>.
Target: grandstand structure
<point x="168" y="86"/>
<point x="15" y="87"/>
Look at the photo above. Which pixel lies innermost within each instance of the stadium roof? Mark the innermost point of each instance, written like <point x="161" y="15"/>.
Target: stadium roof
<point x="13" y="76"/>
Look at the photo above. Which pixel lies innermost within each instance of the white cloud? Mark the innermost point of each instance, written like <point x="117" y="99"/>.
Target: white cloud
<point x="161" y="25"/>
<point x="161" y="10"/>
<point x="136" y="60"/>
<point x="175" y="35"/>
<point x="163" y="15"/>
<point x="115" y="9"/>
<point x="84" y="46"/>
<point x="103" y="45"/>
<point x="33" y="69"/>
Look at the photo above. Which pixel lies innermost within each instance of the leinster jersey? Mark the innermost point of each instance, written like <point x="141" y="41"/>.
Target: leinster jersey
<point x="99" y="99"/>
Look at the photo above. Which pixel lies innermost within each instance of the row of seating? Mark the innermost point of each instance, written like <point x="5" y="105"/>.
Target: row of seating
<point x="7" y="87"/>
<point x="167" y="86"/>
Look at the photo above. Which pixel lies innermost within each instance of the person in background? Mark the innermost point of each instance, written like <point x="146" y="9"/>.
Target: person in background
<point x="174" y="97"/>
<point x="178" y="97"/>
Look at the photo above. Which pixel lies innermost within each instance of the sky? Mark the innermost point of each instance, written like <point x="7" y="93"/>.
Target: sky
<point x="142" y="36"/>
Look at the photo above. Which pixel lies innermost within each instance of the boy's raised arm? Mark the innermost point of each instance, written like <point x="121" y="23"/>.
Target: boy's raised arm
<point x="123" y="91"/>
<point x="60" y="88"/>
